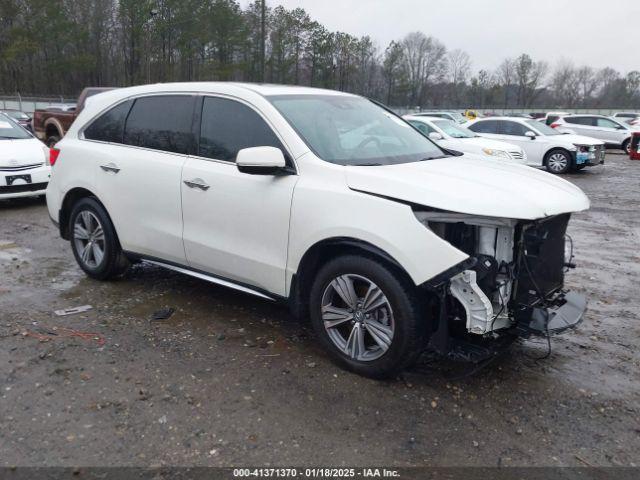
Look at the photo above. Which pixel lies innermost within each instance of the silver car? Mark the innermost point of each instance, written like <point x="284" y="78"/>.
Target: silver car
<point x="614" y="133"/>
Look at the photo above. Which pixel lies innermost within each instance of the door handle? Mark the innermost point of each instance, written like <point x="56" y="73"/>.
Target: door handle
<point x="110" y="167"/>
<point x="197" y="183"/>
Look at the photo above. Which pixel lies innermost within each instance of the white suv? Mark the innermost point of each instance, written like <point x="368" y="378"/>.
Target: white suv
<point x="614" y="133"/>
<point x="323" y="200"/>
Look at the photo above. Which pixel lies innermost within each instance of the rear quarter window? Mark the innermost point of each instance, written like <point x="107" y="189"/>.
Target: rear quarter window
<point x="109" y="127"/>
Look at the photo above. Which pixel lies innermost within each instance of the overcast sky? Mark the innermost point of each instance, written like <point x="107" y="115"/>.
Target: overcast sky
<point x="596" y="32"/>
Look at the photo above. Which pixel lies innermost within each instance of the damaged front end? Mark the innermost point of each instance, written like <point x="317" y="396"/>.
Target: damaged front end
<point x="511" y="286"/>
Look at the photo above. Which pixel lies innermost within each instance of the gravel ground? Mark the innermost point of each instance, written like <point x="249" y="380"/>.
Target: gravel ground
<point x="232" y="380"/>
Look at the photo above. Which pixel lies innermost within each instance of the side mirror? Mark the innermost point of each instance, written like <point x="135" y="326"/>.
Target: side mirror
<point x="435" y="136"/>
<point x="261" y="161"/>
<point x="530" y="134"/>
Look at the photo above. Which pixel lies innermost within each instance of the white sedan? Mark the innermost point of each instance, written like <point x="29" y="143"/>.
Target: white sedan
<point x="24" y="161"/>
<point x="452" y="136"/>
<point x="545" y="146"/>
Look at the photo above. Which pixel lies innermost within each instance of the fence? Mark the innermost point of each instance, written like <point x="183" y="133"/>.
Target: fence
<point x="30" y="104"/>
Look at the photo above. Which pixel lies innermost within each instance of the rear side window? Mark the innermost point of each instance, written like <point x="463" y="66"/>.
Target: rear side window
<point x="487" y="126"/>
<point x="229" y="126"/>
<point x="579" y="120"/>
<point x="109" y="127"/>
<point x="161" y="123"/>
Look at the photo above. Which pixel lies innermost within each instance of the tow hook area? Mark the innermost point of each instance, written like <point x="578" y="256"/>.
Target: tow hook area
<point x="564" y="312"/>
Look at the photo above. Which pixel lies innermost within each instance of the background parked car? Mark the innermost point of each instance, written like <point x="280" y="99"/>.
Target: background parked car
<point x="613" y="133"/>
<point x="453" y="136"/>
<point x="50" y="124"/>
<point x="24" y="161"/>
<point x="453" y="116"/>
<point x="21" y="118"/>
<point x="628" y="117"/>
<point x="551" y="117"/>
<point x="545" y="146"/>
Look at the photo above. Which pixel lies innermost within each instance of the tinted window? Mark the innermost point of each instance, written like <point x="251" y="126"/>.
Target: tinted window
<point x="109" y="127"/>
<point x="161" y="123"/>
<point x="229" y="126"/>
<point x="579" y="120"/>
<point x="487" y="126"/>
<point x="512" y="128"/>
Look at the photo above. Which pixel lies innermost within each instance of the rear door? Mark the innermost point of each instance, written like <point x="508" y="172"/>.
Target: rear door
<point x="236" y="225"/>
<point x="139" y="175"/>
<point x="583" y="125"/>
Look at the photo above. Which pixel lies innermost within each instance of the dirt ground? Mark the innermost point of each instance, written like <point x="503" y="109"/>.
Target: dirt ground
<point x="233" y="380"/>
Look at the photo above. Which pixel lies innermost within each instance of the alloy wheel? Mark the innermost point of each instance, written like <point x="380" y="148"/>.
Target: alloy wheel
<point x="357" y="317"/>
<point x="88" y="236"/>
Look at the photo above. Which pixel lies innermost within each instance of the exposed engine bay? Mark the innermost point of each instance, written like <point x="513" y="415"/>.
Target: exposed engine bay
<point x="514" y="281"/>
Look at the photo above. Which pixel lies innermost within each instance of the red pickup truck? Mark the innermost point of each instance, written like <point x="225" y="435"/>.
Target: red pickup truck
<point x="50" y="124"/>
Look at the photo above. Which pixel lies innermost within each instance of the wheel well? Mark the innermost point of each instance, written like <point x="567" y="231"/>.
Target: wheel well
<point x="52" y="130"/>
<point x="321" y="253"/>
<point x="69" y="201"/>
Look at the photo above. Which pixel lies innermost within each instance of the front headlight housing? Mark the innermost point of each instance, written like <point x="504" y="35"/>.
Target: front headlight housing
<point x="496" y="153"/>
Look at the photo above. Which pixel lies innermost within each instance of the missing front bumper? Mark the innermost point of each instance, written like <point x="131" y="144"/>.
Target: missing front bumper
<point x="566" y="311"/>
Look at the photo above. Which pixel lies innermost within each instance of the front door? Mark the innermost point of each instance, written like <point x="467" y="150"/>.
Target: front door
<point x="236" y="225"/>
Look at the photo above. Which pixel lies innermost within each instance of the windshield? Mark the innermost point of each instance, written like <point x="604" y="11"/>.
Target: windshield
<point x="9" y="130"/>
<point x="543" y="128"/>
<point x="453" y="130"/>
<point x="17" y="115"/>
<point x="353" y="130"/>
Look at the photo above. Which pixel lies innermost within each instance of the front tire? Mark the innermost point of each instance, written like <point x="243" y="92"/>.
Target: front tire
<point x="558" y="161"/>
<point x="94" y="241"/>
<point x="367" y="316"/>
<point x="626" y="146"/>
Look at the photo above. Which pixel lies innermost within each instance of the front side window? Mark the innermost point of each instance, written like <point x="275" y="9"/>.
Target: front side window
<point x="161" y="123"/>
<point x="350" y="130"/>
<point x="606" y="123"/>
<point x="423" y="127"/>
<point x="229" y="126"/>
<point x="10" y="130"/>
<point x="513" y="129"/>
<point x="109" y="127"/>
<point x="453" y="129"/>
<point x="541" y="128"/>
<point x="486" y="126"/>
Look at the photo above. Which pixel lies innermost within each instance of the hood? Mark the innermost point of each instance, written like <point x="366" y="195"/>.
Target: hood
<point x="579" y="139"/>
<point x="16" y="153"/>
<point x="467" y="185"/>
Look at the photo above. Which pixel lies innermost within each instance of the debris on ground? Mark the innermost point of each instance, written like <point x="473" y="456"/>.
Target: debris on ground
<point x="162" y="314"/>
<point x="73" y="310"/>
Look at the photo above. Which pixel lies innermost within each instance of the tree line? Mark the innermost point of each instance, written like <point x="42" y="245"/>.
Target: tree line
<point x="57" y="47"/>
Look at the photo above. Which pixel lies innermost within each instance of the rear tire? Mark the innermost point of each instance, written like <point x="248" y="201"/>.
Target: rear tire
<point x="626" y="146"/>
<point x="558" y="161"/>
<point x="381" y="330"/>
<point x="94" y="241"/>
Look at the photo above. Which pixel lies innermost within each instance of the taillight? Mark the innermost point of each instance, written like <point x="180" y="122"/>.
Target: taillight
<point x="554" y="125"/>
<point x="53" y="156"/>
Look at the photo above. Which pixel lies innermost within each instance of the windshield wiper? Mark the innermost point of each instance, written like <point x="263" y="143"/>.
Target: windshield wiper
<point x="9" y="138"/>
